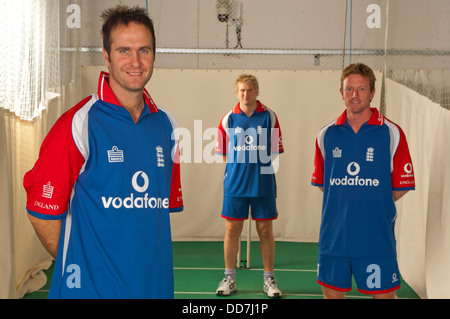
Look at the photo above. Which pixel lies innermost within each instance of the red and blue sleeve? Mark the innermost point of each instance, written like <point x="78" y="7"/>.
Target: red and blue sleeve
<point x="50" y="182"/>
<point x="176" y="196"/>
<point x="402" y="171"/>
<point x="318" y="173"/>
<point x="277" y="140"/>
<point x="222" y="140"/>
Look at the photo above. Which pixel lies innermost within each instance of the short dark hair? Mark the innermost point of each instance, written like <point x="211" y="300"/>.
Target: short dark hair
<point x="122" y="14"/>
<point x="361" y="69"/>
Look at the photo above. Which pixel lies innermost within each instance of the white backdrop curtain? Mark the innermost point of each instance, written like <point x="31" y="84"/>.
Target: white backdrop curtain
<point x="29" y="29"/>
<point x="33" y="94"/>
<point x="22" y="257"/>
<point x="424" y="215"/>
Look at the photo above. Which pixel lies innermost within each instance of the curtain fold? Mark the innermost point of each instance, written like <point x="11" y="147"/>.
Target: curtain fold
<point x="22" y="257"/>
<point x="30" y="65"/>
<point x="39" y="81"/>
<point x="7" y="282"/>
<point x="424" y="216"/>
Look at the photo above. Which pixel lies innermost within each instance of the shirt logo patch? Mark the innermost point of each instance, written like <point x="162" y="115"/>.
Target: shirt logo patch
<point x="115" y="155"/>
<point x="409" y="175"/>
<point x="249" y="140"/>
<point x="134" y="182"/>
<point x="159" y="156"/>
<point x="337" y="153"/>
<point x="408" y="168"/>
<point x="352" y="171"/>
<point x="140" y="200"/>
<point x="353" y="179"/>
<point x="47" y="191"/>
<point x="369" y="154"/>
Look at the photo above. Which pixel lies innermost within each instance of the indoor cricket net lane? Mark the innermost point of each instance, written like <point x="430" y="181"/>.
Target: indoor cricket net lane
<point x="198" y="269"/>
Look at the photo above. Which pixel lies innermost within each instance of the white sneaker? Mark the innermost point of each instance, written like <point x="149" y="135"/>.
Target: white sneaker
<point x="271" y="289"/>
<point x="226" y="287"/>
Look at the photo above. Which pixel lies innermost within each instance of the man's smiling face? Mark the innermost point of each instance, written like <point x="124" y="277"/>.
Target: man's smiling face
<point x="131" y="58"/>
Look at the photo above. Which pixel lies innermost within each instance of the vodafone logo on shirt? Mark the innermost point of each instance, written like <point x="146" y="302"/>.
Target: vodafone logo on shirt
<point x="408" y="177"/>
<point x="135" y="184"/>
<point x="140" y="182"/>
<point x="353" y="169"/>
<point x="249" y="145"/>
<point x="408" y="168"/>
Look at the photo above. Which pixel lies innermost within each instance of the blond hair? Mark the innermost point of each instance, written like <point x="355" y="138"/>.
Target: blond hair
<point x="247" y="78"/>
<point x="361" y="69"/>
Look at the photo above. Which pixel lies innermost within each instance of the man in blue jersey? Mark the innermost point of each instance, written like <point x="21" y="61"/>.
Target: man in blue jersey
<point x="362" y="164"/>
<point x="107" y="177"/>
<point x="248" y="137"/>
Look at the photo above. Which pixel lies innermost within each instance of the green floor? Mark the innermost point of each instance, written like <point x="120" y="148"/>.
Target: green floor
<point x="198" y="268"/>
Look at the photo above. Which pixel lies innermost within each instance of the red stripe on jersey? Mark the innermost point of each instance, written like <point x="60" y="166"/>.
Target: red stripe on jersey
<point x="176" y="196"/>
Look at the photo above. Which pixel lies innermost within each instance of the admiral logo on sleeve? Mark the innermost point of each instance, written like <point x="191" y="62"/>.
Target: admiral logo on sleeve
<point x="47" y="192"/>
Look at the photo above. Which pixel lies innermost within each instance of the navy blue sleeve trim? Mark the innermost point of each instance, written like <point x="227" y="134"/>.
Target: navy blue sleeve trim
<point x="403" y="189"/>
<point x="46" y="217"/>
<point x="176" y="209"/>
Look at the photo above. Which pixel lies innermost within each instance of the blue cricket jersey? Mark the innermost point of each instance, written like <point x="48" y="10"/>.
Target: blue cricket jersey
<point x="358" y="172"/>
<point x="249" y="143"/>
<point x="112" y="182"/>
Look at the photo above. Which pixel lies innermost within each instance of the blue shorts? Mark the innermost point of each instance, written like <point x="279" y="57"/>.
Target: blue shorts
<point x="237" y="208"/>
<point x="372" y="275"/>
